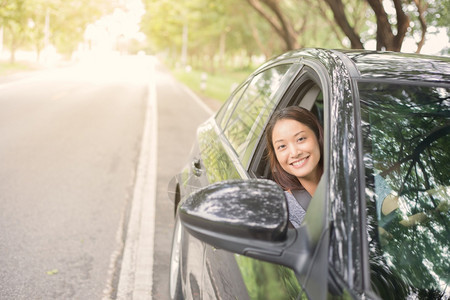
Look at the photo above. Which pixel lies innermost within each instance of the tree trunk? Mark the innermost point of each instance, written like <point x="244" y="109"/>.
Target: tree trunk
<point x="278" y="22"/>
<point x="402" y="25"/>
<point x="341" y="19"/>
<point x="330" y="22"/>
<point x="423" y="24"/>
<point x="222" y="49"/>
<point x="13" y="49"/>
<point x="385" y="37"/>
<point x="263" y="48"/>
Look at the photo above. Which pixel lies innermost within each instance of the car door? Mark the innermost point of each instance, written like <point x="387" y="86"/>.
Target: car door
<point x="209" y="162"/>
<point x="263" y="280"/>
<point x="281" y="282"/>
<point x="223" y="277"/>
<point x="333" y="207"/>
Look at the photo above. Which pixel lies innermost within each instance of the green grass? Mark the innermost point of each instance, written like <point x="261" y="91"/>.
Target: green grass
<point x="8" y="68"/>
<point x="218" y="86"/>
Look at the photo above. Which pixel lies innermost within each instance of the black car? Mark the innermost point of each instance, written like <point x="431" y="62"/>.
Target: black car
<point x="378" y="224"/>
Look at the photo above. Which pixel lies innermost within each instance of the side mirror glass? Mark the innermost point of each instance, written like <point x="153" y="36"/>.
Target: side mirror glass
<point x="248" y="217"/>
<point x="245" y="209"/>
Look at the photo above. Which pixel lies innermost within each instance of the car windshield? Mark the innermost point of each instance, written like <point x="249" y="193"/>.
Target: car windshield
<point x="406" y="136"/>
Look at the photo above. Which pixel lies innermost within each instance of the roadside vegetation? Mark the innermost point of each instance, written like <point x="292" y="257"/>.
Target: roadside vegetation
<point x="216" y="86"/>
<point x="228" y="39"/>
<point x="224" y="39"/>
<point x="211" y="32"/>
<point x="9" y="68"/>
<point x="34" y="25"/>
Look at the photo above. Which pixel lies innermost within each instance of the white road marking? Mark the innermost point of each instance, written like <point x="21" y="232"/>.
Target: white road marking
<point x="136" y="273"/>
<point x="135" y="280"/>
<point x="199" y="101"/>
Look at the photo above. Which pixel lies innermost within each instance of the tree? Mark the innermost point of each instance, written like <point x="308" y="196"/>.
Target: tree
<point x="163" y="24"/>
<point x="14" y="16"/>
<point x="24" y="22"/>
<point x="278" y="20"/>
<point x="216" y="30"/>
<point x="69" y="18"/>
<point x="301" y="23"/>
<point x="385" y="36"/>
<point x="340" y="17"/>
<point x="221" y="32"/>
<point x="391" y="27"/>
<point x="308" y="23"/>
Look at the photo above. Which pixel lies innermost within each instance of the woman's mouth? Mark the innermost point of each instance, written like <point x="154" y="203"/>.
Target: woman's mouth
<point x="299" y="163"/>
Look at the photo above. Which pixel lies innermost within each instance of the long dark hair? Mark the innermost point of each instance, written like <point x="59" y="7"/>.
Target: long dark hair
<point x="304" y="116"/>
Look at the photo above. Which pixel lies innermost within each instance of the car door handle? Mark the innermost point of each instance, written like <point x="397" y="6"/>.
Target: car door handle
<point x="197" y="167"/>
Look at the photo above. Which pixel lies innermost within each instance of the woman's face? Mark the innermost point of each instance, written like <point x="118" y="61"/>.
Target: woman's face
<point x="296" y="148"/>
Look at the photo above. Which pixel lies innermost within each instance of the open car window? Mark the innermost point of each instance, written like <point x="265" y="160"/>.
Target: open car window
<point x="304" y="92"/>
<point x="406" y="132"/>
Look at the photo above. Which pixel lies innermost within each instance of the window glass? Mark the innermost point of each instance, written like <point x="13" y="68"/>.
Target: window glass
<point x="406" y="131"/>
<point x="256" y="104"/>
<point x="265" y="280"/>
<point x="227" y="109"/>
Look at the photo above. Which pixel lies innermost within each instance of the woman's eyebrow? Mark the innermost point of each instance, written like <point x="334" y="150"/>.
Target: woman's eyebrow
<point x="282" y="140"/>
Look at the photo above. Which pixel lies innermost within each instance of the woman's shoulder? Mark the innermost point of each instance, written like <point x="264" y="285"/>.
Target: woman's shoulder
<point x="303" y="198"/>
<point x="296" y="211"/>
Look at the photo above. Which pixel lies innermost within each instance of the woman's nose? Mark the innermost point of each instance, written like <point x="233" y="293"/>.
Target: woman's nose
<point x="294" y="151"/>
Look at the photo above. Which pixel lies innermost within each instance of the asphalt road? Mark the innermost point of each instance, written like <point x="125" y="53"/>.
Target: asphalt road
<point x="179" y="114"/>
<point x="70" y="143"/>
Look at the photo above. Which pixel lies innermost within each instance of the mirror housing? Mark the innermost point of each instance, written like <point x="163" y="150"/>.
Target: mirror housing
<point x="248" y="217"/>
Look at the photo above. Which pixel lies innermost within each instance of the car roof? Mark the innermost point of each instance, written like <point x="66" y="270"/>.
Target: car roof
<point x="381" y="65"/>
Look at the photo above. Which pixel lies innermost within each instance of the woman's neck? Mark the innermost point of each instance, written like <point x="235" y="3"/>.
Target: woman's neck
<point x="310" y="184"/>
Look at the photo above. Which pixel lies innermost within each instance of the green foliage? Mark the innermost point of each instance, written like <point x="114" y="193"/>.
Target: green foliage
<point x="217" y="31"/>
<point x="68" y="20"/>
<point x="215" y="34"/>
<point x="218" y="86"/>
<point x="439" y="14"/>
<point x="268" y="281"/>
<point x="7" y="68"/>
<point x="14" y="16"/>
<point x="24" y="21"/>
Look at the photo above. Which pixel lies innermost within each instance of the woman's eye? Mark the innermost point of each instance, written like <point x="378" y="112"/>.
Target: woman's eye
<point x="280" y="147"/>
<point x="300" y="139"/>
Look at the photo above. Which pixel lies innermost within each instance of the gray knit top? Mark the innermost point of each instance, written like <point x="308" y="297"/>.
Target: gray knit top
<point x="296" y="211"/>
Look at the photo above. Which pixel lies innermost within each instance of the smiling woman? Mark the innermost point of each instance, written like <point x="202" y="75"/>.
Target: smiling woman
<point x="295" y="150"/>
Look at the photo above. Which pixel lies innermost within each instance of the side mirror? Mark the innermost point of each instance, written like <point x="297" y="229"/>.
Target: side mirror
<point x="248" y="217"/>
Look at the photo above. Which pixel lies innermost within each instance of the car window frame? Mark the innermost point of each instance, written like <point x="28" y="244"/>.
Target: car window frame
<point x="226" y="111"/>
<point x="305" y="75"/>
<point x="284" y="83"/>
<point x="252" y="145"/>
<point x="242" y="88"/>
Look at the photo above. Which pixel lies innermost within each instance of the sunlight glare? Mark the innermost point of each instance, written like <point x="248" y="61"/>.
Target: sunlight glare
<point x="113" y="32"/>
